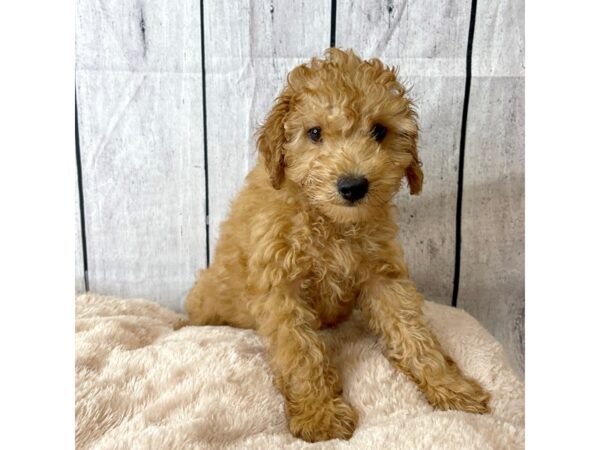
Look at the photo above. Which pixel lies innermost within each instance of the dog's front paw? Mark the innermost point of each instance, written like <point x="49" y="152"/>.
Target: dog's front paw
<point x="332" y="419"/>
<point x="463" y="394"/>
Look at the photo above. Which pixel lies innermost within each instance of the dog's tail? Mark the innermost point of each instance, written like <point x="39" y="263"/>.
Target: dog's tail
<point x="181" y="323"/>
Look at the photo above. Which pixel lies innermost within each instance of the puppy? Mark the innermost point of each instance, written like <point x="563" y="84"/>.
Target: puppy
<point x="312" y="235"/>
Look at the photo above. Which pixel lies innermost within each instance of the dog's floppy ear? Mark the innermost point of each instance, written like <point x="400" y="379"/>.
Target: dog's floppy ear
<point x="409" y="130"/>
<point x="413" y="172"/>
<point x="271" y="137"/>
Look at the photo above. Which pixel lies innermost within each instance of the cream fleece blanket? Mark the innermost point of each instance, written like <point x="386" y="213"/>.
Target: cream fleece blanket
<point x="141" y="385"/>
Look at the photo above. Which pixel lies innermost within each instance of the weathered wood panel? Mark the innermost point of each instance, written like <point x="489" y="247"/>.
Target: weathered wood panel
<point x="250" y="48"/>
<point x="492" y="269"/>
<point x="426" y="41"/>
<point x="139" y="79"/>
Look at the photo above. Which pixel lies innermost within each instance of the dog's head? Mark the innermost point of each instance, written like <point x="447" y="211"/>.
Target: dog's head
<point x="344" y="134"/>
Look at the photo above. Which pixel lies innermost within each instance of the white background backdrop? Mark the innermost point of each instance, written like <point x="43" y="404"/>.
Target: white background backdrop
<point x="169" y="95"/>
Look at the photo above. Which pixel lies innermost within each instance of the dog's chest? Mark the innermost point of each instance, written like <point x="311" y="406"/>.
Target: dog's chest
<point x="338" y="266"/>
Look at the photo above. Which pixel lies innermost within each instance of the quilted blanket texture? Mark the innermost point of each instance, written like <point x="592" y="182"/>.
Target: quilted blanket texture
<point x="142" y="385"/>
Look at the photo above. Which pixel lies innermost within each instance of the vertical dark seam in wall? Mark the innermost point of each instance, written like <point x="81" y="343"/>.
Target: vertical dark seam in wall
<point x="81" y="202"/>
<point x="461" y="161"/>
<point x="204" y="122"/>
<point x="333" y="18"/>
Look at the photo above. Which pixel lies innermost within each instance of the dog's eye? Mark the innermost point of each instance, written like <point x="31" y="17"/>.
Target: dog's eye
<point x="315" y="134"/>
<point x="378" y="132"/>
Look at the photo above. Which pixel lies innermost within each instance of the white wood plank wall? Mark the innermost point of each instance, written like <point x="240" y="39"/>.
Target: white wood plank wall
<point x="493" y="217"/>
<point x="139" y="78"/>
<point x="150" y="172"/>
<point x="79" y="266"/>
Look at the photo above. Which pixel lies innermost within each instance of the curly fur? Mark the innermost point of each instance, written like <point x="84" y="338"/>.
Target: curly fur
<point x="294" y="257"/>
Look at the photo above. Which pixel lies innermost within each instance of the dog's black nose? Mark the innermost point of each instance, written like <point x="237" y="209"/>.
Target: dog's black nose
<point x="352" y="188"/>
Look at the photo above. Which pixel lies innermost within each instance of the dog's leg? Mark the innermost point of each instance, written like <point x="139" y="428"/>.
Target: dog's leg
<point x="393" y="310"/>
<point x="310" y="385"/>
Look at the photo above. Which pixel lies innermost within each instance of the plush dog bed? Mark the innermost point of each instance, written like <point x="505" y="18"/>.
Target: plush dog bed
<point x="140" y="384"/>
